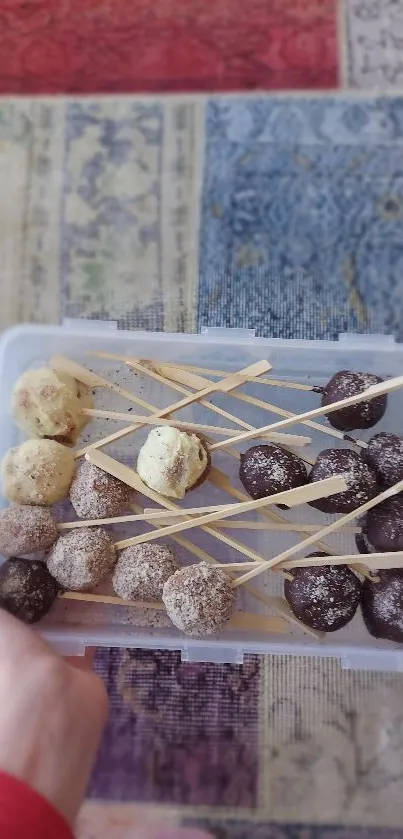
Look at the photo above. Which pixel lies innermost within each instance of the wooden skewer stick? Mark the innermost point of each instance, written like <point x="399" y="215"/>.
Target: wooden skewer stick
<point x="246" y="621"/>
<point x="330" y="528"/>
<point x="150" y="515"/>
<point x="370" y="393"/>
<point x="223" y="386"/>
<point x="276" y="604"/>
<point x="286" y="439"/>
<point x="205" y="370"/>
<point x="177" y="374"/>
<point x="300" y="495"/>
<point x="393" y="559"/>
<point x="289" y="527"/>
<point x="373" y="562"/>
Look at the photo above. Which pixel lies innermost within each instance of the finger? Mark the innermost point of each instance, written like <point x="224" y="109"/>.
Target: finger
<point x="82" y="662"/>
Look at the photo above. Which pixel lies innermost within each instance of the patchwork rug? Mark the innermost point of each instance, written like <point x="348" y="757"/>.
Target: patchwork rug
<point x="279" y="212"/>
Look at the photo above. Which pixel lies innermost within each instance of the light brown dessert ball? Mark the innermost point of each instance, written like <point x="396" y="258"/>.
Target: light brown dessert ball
<point x="142" y="570"/>
<point x="199" y="599"/>
<point x="25" y="530"/>
<point x="37" y="472"/>
<point x="96" y="495"/>
<point x="81" y="558"/>
<point x="49" y="404"/>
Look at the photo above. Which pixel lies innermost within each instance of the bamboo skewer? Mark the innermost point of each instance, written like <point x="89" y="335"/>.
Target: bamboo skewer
<point x="370" y="393"/>
<point x="391" y="559"/>
<point x="300" y="495"/>
<point x="330" y="528"/>
<point x="176" y="374"/>
<point x="204" y="370"/>
<point x="245" y="621"/>
<point x="374" y="562"/>
<point x="290" y="527"/>
<point x="150" y="515"/>
<point x="286" y="439"/>
<point x="223" y="386"/>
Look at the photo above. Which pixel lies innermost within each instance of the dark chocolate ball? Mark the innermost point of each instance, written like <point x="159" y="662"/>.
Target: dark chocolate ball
<point x="364" y="414"/>
<point x="362" y="544"/>
<point x="324" y="598"/>
<point x="27" y="589"/>
<point x="382" y="605"/>
<point x="383" y="525"/>
<point x="267" y="469"/>
<point x="360" y="479"/>
<point x="385" y="455"/>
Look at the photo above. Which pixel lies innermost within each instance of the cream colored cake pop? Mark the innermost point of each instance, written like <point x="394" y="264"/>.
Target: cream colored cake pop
<point x="47" y="403"/>
<point x="172" y="461"/>
<point x="37" y="472"/>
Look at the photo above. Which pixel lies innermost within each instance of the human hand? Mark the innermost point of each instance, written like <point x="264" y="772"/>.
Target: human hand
<point x="52" y="716"/>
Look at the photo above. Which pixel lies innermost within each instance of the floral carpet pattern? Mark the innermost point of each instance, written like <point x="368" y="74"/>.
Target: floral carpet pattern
<point x="278" y="207"/>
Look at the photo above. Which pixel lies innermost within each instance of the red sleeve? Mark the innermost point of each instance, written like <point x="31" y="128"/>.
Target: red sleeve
<point x="25" y="814"/>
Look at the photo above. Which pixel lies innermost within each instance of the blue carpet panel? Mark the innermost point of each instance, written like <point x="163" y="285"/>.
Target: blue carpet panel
<point x="302" y="216"/>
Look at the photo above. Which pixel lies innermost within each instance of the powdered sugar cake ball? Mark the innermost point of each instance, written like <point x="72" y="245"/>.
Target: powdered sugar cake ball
<point x="267" y="469"/>
<point x="25" y="530"/>
<point x="172" y="461"/>
<point x="96" y="495"/>
<point x="142" y="570"/>
<point x="46" y="403"/>
<point x="382" y="605"/>
<point x="360" y="479"/>
<point x="384" y="454"/>
<point x="81" y="558"/>
<point x="199" y="599"/>
<point x="362" y="415"/>
<point x="323" y="598"/>
<point x="27" y="589"/>
<point x="37" y="472"/>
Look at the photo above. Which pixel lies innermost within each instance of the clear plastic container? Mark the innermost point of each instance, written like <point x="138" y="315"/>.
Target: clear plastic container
<point x="72" y="626"/>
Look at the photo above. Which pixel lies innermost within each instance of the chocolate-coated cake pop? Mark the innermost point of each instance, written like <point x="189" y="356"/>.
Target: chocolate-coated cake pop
<point x="199" y="599"/>
<point x="382" y="526"/>
<point x="382" y="605"/>
<point x="96" y="495"/>
<point x="27" y="589"/>
<point x="362" y="544"/>
<point x="385" y="456"/>
<point x="267" y="469"/>
<point x="363" y="414"/>
<point x="324" y="598"/>
<point x="360" y="479"/>
<point x="25" y="530"/>
<point x="142" y="570"/>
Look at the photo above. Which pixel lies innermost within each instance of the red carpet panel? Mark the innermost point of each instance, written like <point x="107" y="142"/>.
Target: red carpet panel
<point x="96" y="46"/>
